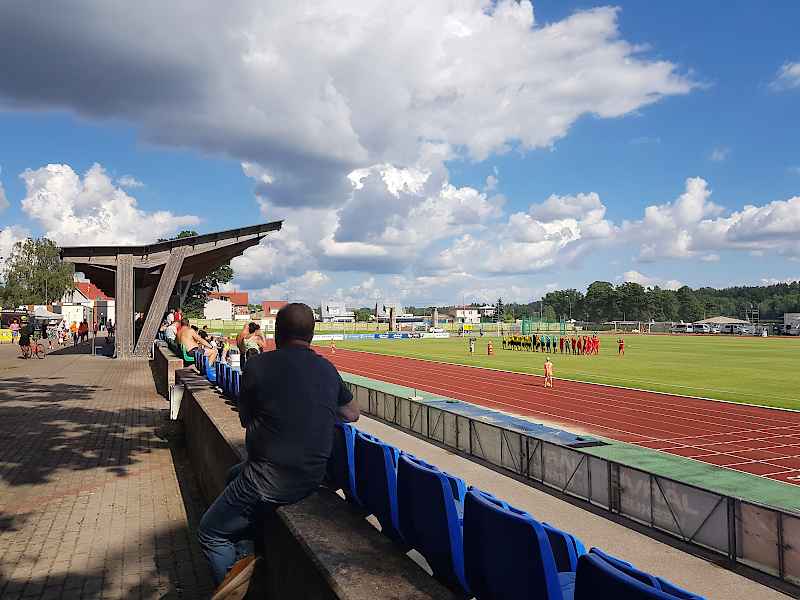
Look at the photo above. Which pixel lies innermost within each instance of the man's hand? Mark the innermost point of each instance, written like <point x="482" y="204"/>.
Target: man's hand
<point x="348" y="413"/>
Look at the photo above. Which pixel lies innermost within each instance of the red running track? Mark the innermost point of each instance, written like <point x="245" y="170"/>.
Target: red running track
<point x="751" y="439"/>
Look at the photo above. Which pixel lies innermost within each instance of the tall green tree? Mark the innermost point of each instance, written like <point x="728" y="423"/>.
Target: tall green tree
<point x="633" y="301"/>
<point x="601" y="302"/>
<point x="565" y="303"/>
<point x="35" y="274"/>
<point x="499" y="312"/>
<point x="198" y="292"/>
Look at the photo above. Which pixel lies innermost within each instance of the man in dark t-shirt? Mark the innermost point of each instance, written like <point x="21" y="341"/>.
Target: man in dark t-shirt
<point x="289" y="400"/>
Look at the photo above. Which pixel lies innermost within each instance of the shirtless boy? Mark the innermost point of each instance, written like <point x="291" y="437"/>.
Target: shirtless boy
<point x="191" y="340"/>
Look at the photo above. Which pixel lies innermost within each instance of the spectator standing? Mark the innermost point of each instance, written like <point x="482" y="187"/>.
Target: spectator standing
<point x="289" y="401"/>
<point x="14" y="327"/>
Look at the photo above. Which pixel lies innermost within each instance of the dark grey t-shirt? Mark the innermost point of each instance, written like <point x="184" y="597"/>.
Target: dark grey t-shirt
<point x="288" y="402"/>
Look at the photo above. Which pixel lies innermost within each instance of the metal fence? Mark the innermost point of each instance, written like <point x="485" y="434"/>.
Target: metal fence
<point x="763" y="537"/>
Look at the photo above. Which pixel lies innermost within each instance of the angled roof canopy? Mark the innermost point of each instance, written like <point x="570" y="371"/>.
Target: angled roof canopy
<point x="142" y="278"/>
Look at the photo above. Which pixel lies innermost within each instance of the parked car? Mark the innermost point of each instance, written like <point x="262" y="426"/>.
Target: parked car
<point x="715" y="329"/>
<point x="681" y="328"/>
<point x="702" y="328"/>
<point x="436" y="330"/>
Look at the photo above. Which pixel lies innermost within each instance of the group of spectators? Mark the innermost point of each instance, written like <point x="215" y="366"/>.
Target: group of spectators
<point x="250" y="340"/>
<point x="55" y="332"/>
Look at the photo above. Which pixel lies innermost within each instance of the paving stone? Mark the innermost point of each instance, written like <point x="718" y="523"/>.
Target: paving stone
<point x="95" y="499"/>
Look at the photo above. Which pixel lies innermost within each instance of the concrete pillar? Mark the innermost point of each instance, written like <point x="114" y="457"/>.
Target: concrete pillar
<point x="123" y="323"/>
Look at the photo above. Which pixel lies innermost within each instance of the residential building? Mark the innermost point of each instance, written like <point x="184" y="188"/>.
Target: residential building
<point x="216" y="308"/>
<point x="465" y="314"/>
<point x="239" y="300"/>
<point x="486" y="313"/>
<point x="271" y="307"/>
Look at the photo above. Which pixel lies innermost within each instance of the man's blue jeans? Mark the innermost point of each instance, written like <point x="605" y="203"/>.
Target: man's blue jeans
<point x="226" y="531"/>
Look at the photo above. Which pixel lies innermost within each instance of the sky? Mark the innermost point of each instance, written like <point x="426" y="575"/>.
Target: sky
<point x="430" y="153"/>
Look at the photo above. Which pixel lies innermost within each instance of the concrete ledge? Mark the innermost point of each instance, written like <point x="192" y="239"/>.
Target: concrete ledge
<point x="318" y="548"/>
<point x="212" y="431"/>
<point x="165" y="366"/>
<point x="326" y="549"/>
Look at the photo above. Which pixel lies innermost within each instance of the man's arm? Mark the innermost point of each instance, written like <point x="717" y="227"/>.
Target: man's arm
<point x="348" y="413"/>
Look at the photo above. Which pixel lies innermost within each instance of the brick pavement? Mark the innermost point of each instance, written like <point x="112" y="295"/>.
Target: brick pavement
<point x="95" y="501"/>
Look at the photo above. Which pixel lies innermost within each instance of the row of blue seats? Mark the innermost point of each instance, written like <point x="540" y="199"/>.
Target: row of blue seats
<point x="223" y="376"/>
<point x="476" y="544"/>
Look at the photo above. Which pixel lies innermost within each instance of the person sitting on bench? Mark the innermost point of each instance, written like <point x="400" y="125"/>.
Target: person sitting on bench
<point x="191" y="340"/>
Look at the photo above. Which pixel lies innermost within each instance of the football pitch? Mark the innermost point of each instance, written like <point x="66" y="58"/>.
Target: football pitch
<point x="753" y="370"/>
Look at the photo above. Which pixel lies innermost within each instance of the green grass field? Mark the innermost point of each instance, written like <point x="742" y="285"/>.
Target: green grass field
<point x="739" y="369"/>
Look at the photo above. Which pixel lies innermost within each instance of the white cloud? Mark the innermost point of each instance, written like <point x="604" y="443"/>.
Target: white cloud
<point x="788" y="77"/>
<point x="665" y="232"/>
<point x="8" y="237"/>
<point x="3" y="201"/>
<point x="756" y="254"/>
<point x="710" y="258"/>
<point x="774" y="281"/>
<point x="491" y="183"/>
<point x="311" y="91"/>
<point x="309" y="287"/>
<point x="75" y="211"/>
<point x="673" y="284"/>
<point x="128" y="181"/>
<point x="719" y="154"/>
<point x="636" y="277"/>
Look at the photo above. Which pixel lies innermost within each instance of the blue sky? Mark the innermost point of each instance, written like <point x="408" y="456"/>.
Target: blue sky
<point x="422" y="153"/>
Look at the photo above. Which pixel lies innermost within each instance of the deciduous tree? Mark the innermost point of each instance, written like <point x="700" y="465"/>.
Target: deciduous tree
<point x="35" y="274"/>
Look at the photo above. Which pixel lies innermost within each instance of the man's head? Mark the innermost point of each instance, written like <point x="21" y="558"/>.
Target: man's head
<point x="184" y="322"/>
<point x="172" y="311"/>
<point x="294" y="323"/>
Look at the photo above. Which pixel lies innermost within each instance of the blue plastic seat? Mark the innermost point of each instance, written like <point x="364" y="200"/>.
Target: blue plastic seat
<point x="235" y="386"/>
<point x="565" y="546"/>
<point x="340" y="473"/>
<point x="507" y="554"/>
<point x="201" y="364"/>
<point x="376" y="482"/>
<point x="430" y="510"/>
<point x="599" y="579"/>
<point x="210" y="374"/>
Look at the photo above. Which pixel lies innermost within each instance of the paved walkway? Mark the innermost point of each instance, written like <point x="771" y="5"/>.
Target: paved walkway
<point x="95" y="502"/>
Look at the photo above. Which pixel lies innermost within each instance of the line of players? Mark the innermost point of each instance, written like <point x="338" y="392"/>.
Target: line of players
<point x="574" y="344"/>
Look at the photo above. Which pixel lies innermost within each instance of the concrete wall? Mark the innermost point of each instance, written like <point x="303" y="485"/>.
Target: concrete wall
<point x="165" y="365"/>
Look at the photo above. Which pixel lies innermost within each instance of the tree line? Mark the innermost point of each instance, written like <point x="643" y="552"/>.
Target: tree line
<point x="633" y="302"/>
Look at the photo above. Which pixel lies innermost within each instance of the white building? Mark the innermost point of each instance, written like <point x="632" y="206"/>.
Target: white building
<point x="486" y="312"/>
<point x="218" y="309"/>
<point x="335" y="312"/>
<point x="383" y="308"/>
<point x="465" y="314"/>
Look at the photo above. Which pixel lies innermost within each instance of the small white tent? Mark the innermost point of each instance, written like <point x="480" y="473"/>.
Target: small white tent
<point x="42" y="314"/>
